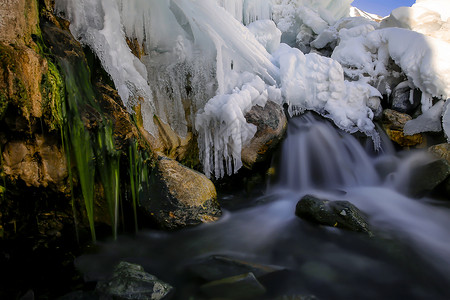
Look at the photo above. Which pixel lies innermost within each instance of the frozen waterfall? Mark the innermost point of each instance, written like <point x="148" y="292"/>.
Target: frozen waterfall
<point x="200" y="68"/>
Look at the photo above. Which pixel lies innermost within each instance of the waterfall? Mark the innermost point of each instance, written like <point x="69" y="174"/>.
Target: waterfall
<point x="319" y="159"/>
<point x="316" y="155"/>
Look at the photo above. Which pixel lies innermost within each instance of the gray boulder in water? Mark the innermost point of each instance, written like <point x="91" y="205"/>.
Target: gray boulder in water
<point x="130" y="281"/>
<point x="340" y="214"/>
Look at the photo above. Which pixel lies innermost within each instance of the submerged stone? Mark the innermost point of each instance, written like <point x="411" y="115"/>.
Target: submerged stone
<point x="216" y="267"/>
<point x="242" y="286"/>
<point x="130" y="281"/>
<point x="341" y="214"/>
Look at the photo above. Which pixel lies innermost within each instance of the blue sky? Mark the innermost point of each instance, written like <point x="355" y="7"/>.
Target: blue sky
<point x="381" y="7"/>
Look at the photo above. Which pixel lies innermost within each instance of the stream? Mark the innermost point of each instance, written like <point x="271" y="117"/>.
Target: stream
<point x="408" y="257"/>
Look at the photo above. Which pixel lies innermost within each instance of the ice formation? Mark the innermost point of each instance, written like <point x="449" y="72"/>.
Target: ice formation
<point x="428" y="121"/>
<point x="314" y="82"/>
<point x="212" y="60"/>
<point x="222" y="127"/>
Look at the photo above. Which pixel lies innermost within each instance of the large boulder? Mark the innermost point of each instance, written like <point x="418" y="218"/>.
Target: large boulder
<point x="340" y="214"/>
<point x="180" y="196"/>
<point x="271" y="124"/>
<point x="130" y="281"/>
<point x="393" y="123"/>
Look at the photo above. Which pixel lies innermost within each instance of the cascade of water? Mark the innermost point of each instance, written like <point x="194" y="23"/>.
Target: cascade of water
<point x="316" y="155"/>
<point x="317" y="158"/>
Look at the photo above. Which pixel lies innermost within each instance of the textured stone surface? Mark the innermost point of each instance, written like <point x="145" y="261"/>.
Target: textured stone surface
<point x="393" y="123"/>
<point x="180" y="196"/>
<point x="271" y="126"/>
<point x="341" y="214"/>
<point x="40" y="162"/>
<point x="18" y="20"/>
<point x="401" y="99"/>
<point x="441" y="151"/>
<point x="130" y="281"/>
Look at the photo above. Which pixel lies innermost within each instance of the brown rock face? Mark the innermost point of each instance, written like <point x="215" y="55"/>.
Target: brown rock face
<point x="18" y="20"/>
<point x="180" y="196"/>
<point x="39" y="162"/>
<point x="21" y="73"/>
<point x="393" y="123"/>
<point x="271" y="125"/>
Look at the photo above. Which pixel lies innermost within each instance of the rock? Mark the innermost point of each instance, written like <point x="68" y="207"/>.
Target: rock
<point x="400" y="98"/>
<point x="18" y="20"/>
<point x="425" y="178"/>
<point x="40" y="162"/>
<point x="341" y="214"/>
<point x="21" y="73"/>
<point x="441" y="151"/>
<point x="393" y="124"/>
<point x="130" y="281"/>
<point x="216" y="267"/>
<point x="237" y="287"/>
<point x="271" y="126"/>
<point x="180" y="196"/>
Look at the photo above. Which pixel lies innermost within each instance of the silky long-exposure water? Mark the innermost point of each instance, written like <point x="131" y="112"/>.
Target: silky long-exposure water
<point x="408" y="257"/>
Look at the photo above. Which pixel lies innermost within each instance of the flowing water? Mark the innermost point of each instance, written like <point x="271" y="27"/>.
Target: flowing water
<point x="409" y="257"/>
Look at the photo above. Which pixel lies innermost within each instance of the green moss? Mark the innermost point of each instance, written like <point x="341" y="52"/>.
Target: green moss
<point x="52" y="89"/>
<point x="108" y="162"/>
<point x="76" y="137"/>
<point x="139" y="174"/>
<point x="3" y="104"/>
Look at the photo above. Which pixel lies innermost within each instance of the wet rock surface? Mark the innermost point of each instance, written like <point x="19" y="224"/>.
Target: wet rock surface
<point x="130" y="281"/>
<point x="393" y="123"/>
<point x="271" y="124"/>
<point x="340" y="214"/>
<point x="180" y="196"/>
